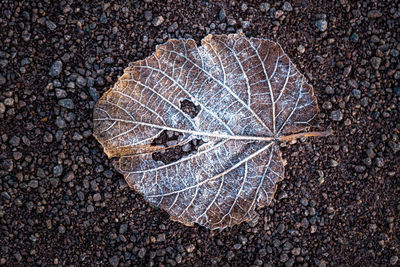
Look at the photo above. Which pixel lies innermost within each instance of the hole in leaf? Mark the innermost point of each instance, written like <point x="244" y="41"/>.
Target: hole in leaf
<point x="176" y="147"/>
<point x="190" y="108"/>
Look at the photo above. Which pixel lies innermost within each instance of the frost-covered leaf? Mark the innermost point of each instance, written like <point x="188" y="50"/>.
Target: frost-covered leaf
<point x="246" y="97"/>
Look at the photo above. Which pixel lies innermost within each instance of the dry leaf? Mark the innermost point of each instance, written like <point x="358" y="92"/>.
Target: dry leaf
<point x="243" y="96"/>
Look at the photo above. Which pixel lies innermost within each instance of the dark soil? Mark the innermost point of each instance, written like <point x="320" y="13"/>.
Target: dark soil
<point x="63" y="203"/>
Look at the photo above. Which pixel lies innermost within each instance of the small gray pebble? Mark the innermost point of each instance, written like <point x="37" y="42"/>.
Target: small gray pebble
<point x="287" y="6"/>
<point x="56" y="68"/>
<point x="148" y="15"/>
<point x="336" y="115"/>
<point x="322" y="25"/>
<point x="66" y="103"/>
<point x="51" y="25"/>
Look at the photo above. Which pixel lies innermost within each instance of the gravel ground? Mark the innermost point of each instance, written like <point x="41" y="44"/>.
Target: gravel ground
<point x="63" y="203"/>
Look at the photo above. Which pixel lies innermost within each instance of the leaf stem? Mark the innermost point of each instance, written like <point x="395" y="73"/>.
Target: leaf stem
<point x="305" y="134"/>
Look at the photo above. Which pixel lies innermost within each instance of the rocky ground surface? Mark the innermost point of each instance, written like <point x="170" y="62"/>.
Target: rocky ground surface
<point x="63" y="203"/>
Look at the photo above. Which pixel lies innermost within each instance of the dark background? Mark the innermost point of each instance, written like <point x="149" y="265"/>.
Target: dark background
<point x="63" y="203"/>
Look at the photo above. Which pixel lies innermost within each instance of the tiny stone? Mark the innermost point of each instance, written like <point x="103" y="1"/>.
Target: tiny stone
<point x="284" y="257"/>
<point x="57" y="170"/>
<point x="142" y="253"/>
<point x="15" y="140"/>
<point x="171" y="143"/>
<point x="222" y="15"/>
<point x="161" y="238"/>
<point x="61" y="229"/>
<point x="190" y="248"/>
<point x="396" y="90"/>
<point x="336" y="115"/>
<point x="114" y="261"/>
<point x="9" y="101"/>
<point x="282" y="195"/>
<point x="81" y="81"/>
<point x="77" y="137"/>
<point x="243" y="7"/>
<point x="373" y="14"/>
<point x="51" y="25"/>
<point x="356" y="93"/>
<point x="393" y="260"/>
<point x="354" y="37"/>
<point x="360" y="168"/>
<point x="376" y="62"/>
<point x="18" y="256"/>
<point x="2" y="80"/>
<point x="322" y="25"/>
<point x="2" y="108"/>
<point x="56" y="68"/>
<point x="301" y="49"/>
<point x="60" y="122"/>
<point x="60" y="93"/>
<point x="17" y="155"/>
<point x="54" y="182"/>
<point x="334" y="163"/>
<point x="245" y="24"/>
<point x="69" y="177"/>
<point x="237" y="246"/>
<point x="148" y="15"/>
<point x="287" y="6"/>
<point x="33" y="184"/>
<point x="187" y="147"/>
<point x="97" y="198"/>
<point x="66" y="103"/>
<point x="264" y="7"/>
<point x="157" y="21"/>
<point x="379" y="162"/>
<point x="329" y="90"/>
<point x="90" y="208"/>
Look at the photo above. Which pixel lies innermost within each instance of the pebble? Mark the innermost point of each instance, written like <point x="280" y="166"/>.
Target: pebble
<point x="60" y="93"/>
<point x="322" y="25"/>
<point x="142" y="253"/>
<point x="360" y="168"/>
<point x="284" y="257"/>
<point x="56" y="68"/>
<point x="329" y="90"/>
<point x="60" y="122"/>
<point x="148" y="15"/>
<point x="374" y="14"/>
<point x="356" y="93"/>
<point x="264" y="7"/>
<point x="66" y="103"/>
<point x="33" y="184"/>
<point x="336" y="115"/>
<point x="376" y="62"/>
<point x="287" y="7"/>
<point x="97" y="198"/>
<point x="2" y="108"/>
<point x="190" y="248"/>
<point x="51" y="25"/>
<point x="221" y="14"/>
<point x="15" y="140"/>
<point x="379" y="162"/>
<point x="114" y="261"/>
<point x="68" y="177"/>
<point x="157" y="21"/>
<point x="301" y="49"/>
<point x="394" y="260"/>
<point x="2" y="80"/>
<point x="58" y="170"/>
<point x="396" y="91"/>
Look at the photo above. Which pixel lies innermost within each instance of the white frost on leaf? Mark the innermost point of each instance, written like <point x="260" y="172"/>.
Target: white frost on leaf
<point x="250" y="96"/>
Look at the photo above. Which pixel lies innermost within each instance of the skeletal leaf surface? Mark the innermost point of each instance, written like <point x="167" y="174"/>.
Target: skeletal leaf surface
<point x="250" y="97"/>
